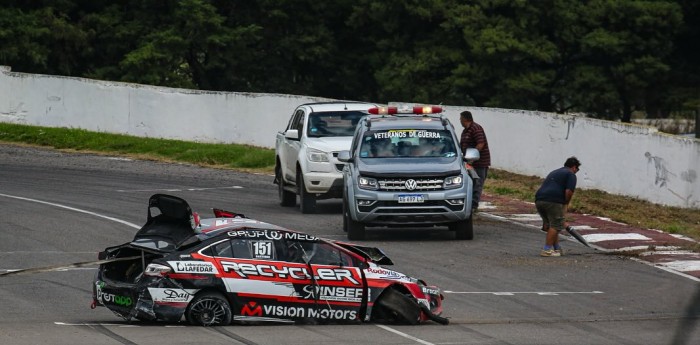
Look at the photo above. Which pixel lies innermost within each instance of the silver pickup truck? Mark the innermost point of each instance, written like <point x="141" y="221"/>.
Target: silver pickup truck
<point x="407" y="169"/>
<point x="306" y="151"/>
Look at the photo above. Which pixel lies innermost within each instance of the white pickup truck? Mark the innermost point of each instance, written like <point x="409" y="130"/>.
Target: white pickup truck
<point x="306" y="151"/>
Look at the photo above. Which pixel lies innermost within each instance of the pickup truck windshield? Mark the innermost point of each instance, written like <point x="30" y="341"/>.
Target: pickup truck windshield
<point x="334" y="123"/>
<point x="407" y="143"/>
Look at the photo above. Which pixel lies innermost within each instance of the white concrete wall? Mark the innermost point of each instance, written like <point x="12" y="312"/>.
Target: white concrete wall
<point x="143" y="110"/>
<point x="619" y="158"/>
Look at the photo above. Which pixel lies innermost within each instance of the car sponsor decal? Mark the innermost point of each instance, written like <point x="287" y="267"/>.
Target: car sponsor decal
<point x="199" y="267"/>
<point x="104" y="297"/>
<point x="376" y="272"/>
<point x="332" y="293"/>
<point x="430" y="291"/>
<point x="280" y="271"/>
<point x="254" y="309"/>
<point x="296" y="293"/>
<point x="272" y="235"/>
<point x="172" y="295"/>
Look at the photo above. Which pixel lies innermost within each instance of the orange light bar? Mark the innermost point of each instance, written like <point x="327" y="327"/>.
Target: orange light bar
<point x="383" y="110"/>
<point x="427" y="109"/>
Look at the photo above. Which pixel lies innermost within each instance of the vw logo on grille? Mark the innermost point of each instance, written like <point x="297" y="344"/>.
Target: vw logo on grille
<point x="411" y="184"/>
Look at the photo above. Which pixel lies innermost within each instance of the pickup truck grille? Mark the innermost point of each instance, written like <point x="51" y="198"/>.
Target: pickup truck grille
<point x="422" y="184"/>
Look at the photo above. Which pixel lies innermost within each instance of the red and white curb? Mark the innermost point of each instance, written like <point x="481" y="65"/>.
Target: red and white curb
<point x="652" y="247"/>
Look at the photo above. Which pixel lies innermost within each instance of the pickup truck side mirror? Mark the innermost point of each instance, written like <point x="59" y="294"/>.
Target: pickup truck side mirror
<point x="344" y="156"/>
<point x="292" y="134"/>
<point x="471" y="155"/>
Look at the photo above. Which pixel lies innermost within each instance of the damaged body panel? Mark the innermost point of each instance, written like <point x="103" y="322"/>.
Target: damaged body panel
<point x="230" y="268"/>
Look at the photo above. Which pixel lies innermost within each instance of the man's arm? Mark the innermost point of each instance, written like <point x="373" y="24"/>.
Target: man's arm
<point x="567" y="196"/>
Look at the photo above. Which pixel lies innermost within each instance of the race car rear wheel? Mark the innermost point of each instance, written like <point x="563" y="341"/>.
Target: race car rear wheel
<point x="399" y="307"/>
<point x="307" y="201"/>
<point x="287" y="198"/>
<point x="464" y="230"/>
<point x="209" y="309"/>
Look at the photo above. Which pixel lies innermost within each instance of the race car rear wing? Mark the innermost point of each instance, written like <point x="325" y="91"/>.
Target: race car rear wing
<point x="170" y="222"/>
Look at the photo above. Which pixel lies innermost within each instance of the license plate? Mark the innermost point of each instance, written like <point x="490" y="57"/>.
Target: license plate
<point x="410" y="198"/>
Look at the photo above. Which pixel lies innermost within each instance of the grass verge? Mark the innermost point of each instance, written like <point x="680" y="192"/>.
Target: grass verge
<point x="627" y="210"/>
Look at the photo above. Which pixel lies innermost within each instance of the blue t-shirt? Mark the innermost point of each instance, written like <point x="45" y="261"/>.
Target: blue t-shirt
<point x="554" y="187"/>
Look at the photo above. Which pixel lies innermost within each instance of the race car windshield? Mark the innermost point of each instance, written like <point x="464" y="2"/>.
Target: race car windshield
<point x="334" y="123"/>
<point x="407" y="143"/>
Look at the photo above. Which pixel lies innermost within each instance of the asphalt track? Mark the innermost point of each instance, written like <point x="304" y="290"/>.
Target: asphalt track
<point x="59" y="208"/>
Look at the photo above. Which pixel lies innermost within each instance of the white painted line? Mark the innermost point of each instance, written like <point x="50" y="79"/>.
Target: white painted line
<point x="485" y="205"/>
<point x="527" y="216"/>
<point x="44" y="252"/>
<point x="583" y="227"/>
<point x="420" y="341"/>
<point x="176" y="189"/>
<point x="74" y="209"/>
<point x="615" y="237"/>
<point x="57" y="323"/>
<point x="682" y="265"/>
<point x="682" y="237"/>
<point x="611" y="221"/>
<point x="678" y="273"/>
<point x="672" y="251"/>
<point x="630" y="249"/>
<point x="511" y="293"/>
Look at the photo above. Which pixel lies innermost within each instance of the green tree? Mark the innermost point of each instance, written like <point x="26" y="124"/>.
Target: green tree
<point x="630" y="42"/>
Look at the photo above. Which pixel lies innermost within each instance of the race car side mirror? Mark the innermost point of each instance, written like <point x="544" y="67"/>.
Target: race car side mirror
<point x="471" y="155"/>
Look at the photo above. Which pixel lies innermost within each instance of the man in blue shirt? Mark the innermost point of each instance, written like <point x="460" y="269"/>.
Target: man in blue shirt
<point x="552" y="201"/>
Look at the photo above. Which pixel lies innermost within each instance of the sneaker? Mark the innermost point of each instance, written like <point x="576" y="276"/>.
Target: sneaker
<point x="550" y="252"/>
<point x="560" y="251"/>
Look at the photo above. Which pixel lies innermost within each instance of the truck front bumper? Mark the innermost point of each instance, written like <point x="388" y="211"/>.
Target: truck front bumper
<point x="383" y="208"/>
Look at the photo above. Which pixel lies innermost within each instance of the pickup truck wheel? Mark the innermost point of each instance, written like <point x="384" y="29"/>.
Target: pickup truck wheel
<point x="307" y="201"/>
<point x="287" y="198"/>
<point x="346" y="215"/>
<point x="464" y="229"/>
<point x="355" y="230"/>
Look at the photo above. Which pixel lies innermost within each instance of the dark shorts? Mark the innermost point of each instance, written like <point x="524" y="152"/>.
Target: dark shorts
<point x="552" y="214"/>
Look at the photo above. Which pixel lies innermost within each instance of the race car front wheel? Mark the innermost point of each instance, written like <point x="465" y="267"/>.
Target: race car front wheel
<point x="399" y="308"/>
<point x="209" y="309"/>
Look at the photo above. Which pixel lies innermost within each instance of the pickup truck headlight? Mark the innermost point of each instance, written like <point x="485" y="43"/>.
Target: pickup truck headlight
<point x="316" y="155"/>
<point x="368" y="183"/>
<point x="453" y="182"/>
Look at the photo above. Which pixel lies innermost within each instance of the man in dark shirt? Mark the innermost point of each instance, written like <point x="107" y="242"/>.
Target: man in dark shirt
<point x="473" y="136"/>
<point x="552" y="201"/>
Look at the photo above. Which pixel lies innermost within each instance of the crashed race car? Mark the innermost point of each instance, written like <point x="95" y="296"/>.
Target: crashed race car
<point x="231" y="268"/>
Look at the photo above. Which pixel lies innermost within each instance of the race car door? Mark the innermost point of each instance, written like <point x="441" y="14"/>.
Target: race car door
<point x="272" y="279"/>
<point x="335" y="285"/>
